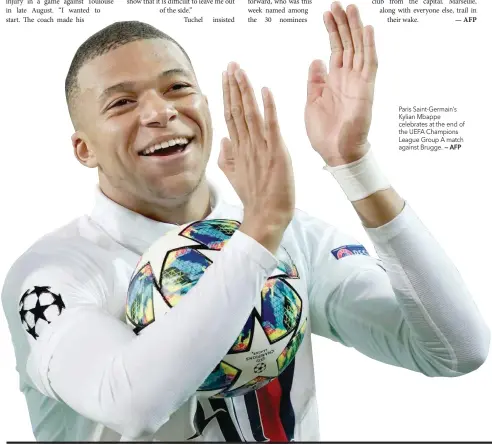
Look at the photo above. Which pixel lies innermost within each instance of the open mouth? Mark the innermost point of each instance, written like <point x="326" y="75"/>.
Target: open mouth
<point x="174" y="146"/>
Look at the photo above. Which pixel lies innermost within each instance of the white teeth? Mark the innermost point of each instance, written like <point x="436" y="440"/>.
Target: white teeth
<point x="164" y="145"/>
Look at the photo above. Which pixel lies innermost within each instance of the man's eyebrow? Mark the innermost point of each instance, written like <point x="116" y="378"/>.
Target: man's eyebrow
<point x="119" y="87"/>
<point x="129" y="85"/>
<point x="174" y="72"/>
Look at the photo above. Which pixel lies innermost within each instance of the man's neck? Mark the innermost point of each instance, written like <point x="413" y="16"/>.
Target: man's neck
<point x="195" y="206"/>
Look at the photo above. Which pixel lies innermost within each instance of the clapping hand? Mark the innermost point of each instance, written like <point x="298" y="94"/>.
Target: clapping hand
<point x="339" y="102"/>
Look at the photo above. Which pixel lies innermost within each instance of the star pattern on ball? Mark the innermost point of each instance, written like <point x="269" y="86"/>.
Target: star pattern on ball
<point x="38" y="312"/>
<point x="265" y="367"/>
<point x="40" y="290"/>
<point x="57" y="300"/>
<point x="22" y="313"/>
<point x="24" y="297"/>
<point x="35" y="307"/>
<point x="259" y="367"/>
<point x="32" y="332"/>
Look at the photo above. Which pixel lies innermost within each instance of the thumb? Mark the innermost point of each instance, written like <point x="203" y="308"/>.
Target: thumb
<point x="226" y="157"/>
<point x="316" y="79"/>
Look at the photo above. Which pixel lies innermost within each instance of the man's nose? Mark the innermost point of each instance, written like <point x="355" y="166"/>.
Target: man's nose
<point x="156" y="110"/>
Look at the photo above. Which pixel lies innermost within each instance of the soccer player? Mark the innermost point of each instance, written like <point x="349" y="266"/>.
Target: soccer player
<point x="142" y="120"/>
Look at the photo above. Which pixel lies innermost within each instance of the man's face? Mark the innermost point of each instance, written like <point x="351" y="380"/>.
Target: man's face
<point x="139" y="98"/>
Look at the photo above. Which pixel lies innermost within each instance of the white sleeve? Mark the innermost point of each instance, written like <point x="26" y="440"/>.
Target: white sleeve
<point x="411" y="309"/>
<point x="97" y="365"/>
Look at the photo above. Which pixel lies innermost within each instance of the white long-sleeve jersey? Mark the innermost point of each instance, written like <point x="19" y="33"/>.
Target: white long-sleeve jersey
<point x="87" y="376"/>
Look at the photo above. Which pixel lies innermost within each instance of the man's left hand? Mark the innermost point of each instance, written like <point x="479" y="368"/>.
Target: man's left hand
<point x="339" y="103"/>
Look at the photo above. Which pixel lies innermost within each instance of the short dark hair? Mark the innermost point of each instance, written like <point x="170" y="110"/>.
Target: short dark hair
<point x="105" y="40"/>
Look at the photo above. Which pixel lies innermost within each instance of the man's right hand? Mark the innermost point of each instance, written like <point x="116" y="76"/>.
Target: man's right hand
<point x="256" y="161"/>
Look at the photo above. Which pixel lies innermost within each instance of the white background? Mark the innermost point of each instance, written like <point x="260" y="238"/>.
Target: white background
<point x="437" y="62"/>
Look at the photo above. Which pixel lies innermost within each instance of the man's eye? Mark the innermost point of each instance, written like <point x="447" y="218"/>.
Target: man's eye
<point x="121" y="102"/>
<point x="179" y="86"/>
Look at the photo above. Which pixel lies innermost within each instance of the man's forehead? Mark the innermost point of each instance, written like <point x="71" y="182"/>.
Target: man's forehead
<point x="136" y="61"/>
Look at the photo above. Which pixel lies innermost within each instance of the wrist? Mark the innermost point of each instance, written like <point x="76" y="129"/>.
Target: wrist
<point x="337" y="161"/>
<point x="361" y="178"/>
<point x="266" y="232"/>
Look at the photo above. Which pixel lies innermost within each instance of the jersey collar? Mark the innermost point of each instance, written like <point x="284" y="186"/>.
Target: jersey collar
<point x="131" y="229"/>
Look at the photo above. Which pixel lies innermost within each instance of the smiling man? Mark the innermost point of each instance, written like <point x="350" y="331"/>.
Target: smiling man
<point x="142" y="120"/>
<point x="149" y="161"/>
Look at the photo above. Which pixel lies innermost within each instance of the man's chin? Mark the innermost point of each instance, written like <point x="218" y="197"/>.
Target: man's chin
<point x="178" y="188"/>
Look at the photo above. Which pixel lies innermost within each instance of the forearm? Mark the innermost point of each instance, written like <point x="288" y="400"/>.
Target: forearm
<point x="379" y="208"/>
<point x="437" y="306"/>
<point x="445" y="324"/>
<point x="132" y="383"/>
<point x="367" y="188"/>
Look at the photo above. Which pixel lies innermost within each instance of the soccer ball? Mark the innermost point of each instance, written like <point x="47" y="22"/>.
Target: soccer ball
<point x="270" y="337"/>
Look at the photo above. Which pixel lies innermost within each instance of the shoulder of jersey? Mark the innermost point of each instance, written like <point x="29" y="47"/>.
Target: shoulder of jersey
<point x="55" y="243"/>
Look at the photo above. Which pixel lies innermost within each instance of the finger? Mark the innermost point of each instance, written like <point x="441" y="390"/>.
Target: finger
<point x="226" y="157"/>
<point x="316" y="80"/>
<point x="370" y="57"/>
<point x="272" y="128"/>
<point x="252" y="115"/>
<point x="231" y="126"/>
<point x="237" y="110"/>
<point x="356" y="29"/>
<point x="336" y="58"/>
<point x="345" y="35"/>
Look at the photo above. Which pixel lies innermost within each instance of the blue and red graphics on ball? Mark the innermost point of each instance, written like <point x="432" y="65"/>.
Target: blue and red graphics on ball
<point x="349" y="250"/>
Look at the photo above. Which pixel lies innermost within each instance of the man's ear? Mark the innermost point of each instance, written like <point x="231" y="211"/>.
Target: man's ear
<point x="206" y="99"/>
<point x="82" y="150"/>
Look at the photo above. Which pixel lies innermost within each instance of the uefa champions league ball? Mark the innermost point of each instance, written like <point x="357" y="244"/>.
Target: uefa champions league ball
<point x="38" y="307"/>
<point x="271" y="335"/>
